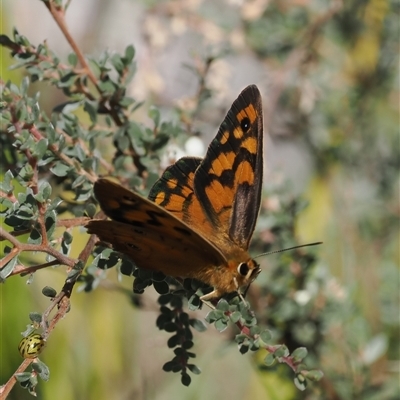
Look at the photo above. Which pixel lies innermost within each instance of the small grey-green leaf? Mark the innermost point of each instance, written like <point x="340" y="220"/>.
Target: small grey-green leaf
<point x="194" y="302"/>
<point x="187" y="344"/>
<point x="40" y="148"/>
<point x="269" y="359"/>
<point x="22" y="376"/>
<point x="80" y="180"/>
<point x="5" y="184"/>
<point x="8" y="269"/>
<point x="220" y="325"/>
<point x="243" y="348"/>
<point x="116" y="61"/>
<point x="235" y="316"/>
<point x="161" y="287"/>
<point x="159" y="141"/>
<point x="186" y="379"/>
<point x="33" y="380"/>
<point x="193" y="368"/>
<point x="36" y="111"/>
<point x="255" y="330"/>
<point x="299" y="354"/>
<point x="91" y="107"/>
<point x="173" y="341"/>
<point x="314" y="375"/>
<point x="266" y="336"/>
<point x="25" y="85"/>
<point x="239" y="338"/>
<point x="167" y="367"/>
<point x="135" y="133"/>
<point x="170" y="327"/>
<point x="90" y="210"/>
<point x="197" y="324"/>
<point x="49" y="292"/>
<point x="45" y="187"/>
<point x="44" y="371"/>
<point x="65" y="243"/>
<point x="60" y="169"/>
<point x="213" y="316"/>
<point x="35" y="317"/>
<point x="281" y="351"/>
<point x="223" y="305"/>
<point x="129" y="54"/>
<point x="54" y="203"/>
<point x="300" y="382"/>
<point x="72" y="59"/>
<point x="158" y="276"/>
<point x="154" y="114"/>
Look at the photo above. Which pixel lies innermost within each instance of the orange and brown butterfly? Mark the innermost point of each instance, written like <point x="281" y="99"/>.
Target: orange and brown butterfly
<point x="200" y="215"/>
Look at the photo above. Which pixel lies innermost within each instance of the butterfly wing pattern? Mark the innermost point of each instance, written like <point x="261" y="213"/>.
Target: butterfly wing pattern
<point x="201" y="214"/>
<point x="151" y="236"/>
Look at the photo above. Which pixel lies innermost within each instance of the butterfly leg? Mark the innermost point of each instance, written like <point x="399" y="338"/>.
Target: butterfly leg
<point x="207" y="303"/>
<point x="215" y="294"/>
<point x="240" y="294"/>
<point x="209" y="296"/>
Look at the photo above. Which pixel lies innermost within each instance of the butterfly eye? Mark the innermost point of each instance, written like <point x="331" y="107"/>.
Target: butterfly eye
<point x="243" y="269"/>
<point x="245" y="124"/>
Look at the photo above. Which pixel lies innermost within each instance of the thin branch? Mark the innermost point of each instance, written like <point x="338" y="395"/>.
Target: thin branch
<point x="17" y="233"/>
<point x="288" y="360"/>
<point x="9" y="196"/>
<point x="6" y="389"/>
<point x="34" y="268"/>
<point x="62" y="259"/>
<point x="59" y="16"/>
<point x="72" y="222"/>
<point x="62" y="300"/>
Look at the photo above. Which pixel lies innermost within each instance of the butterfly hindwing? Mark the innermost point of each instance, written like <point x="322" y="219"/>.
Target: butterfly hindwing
<point x="149" y="234"/>
<point x="174" y="190"/>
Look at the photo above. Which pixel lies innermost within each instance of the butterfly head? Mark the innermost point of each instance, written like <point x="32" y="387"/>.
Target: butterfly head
<point x="246" y="273"/>
<point x="231" y="277"/>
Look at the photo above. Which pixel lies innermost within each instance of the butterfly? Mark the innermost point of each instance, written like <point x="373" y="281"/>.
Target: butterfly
<point x="199" y="217"/>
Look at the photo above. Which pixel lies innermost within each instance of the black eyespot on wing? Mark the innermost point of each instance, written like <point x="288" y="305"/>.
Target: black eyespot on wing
<point x="245" y="124"/>
<point x="243" y="269"/>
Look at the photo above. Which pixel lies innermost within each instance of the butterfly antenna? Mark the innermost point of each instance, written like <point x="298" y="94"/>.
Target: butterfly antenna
<point x="289" y="248"/>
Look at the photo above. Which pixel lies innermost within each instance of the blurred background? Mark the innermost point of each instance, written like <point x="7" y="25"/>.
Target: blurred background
<point x="328" y="74"/>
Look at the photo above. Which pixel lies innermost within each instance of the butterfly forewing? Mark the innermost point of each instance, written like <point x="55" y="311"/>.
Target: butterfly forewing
<point x="229" y="180"/>
<point x="220" y="197"/>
